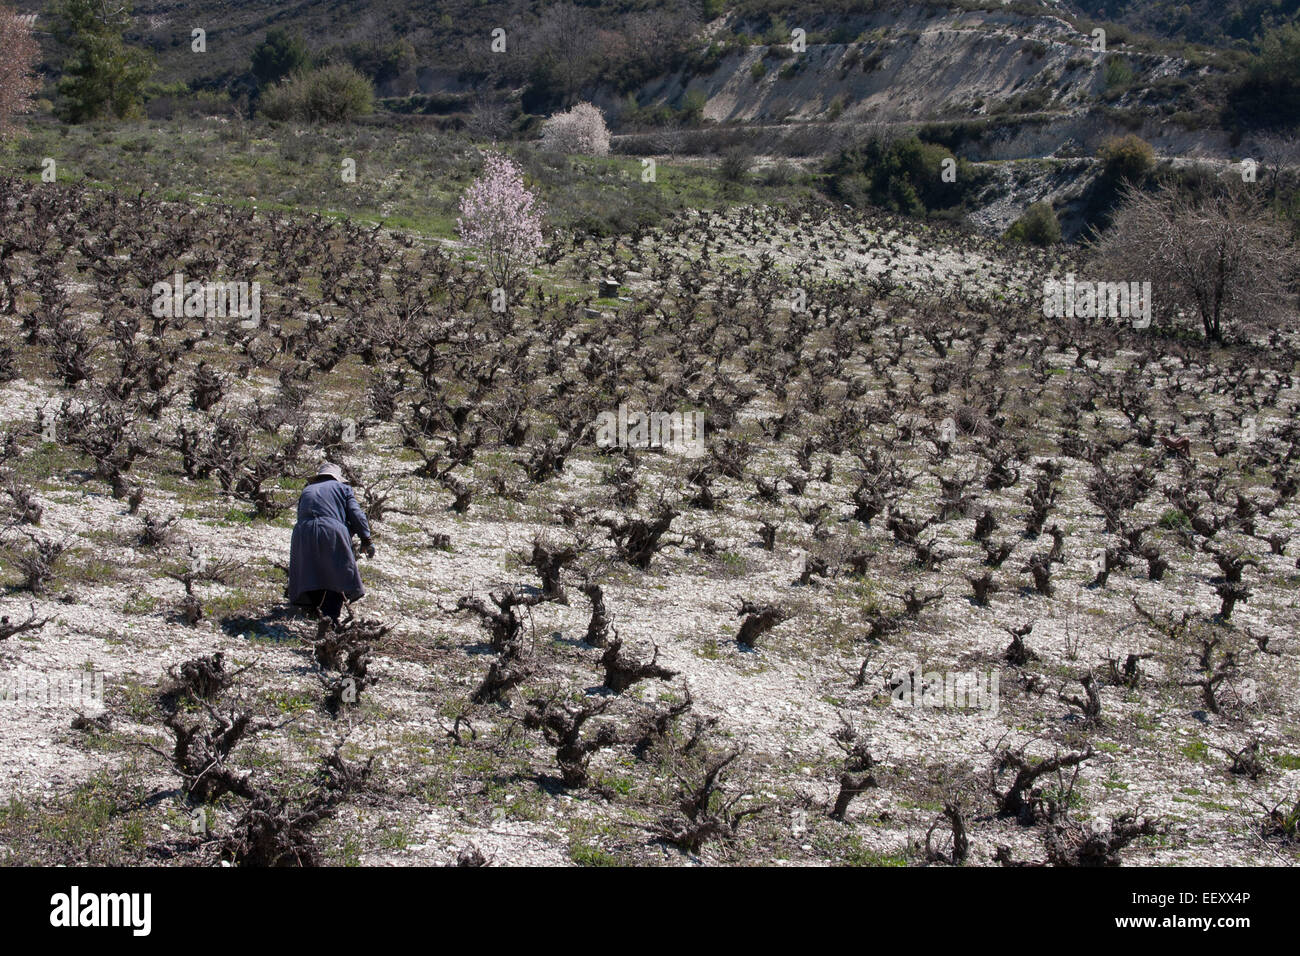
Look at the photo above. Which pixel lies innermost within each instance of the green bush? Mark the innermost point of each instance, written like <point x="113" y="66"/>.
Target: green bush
<point x="735" y="165"/>
<point x="332" y="94"/>
<point x="1030" y="101"/>
<point x="1036" y="226"/>
<point x="705" y="62"/>
<point x="278" y="56"/>
<point x="1117" y="74"/>
<point x="777" y="32"/>
<point x="102" y="76"/>
<point x="692" y="109"/>
<point x="1127" y="158"/>
<point x="1268" y="95"/>
<point x="903" y="175"/>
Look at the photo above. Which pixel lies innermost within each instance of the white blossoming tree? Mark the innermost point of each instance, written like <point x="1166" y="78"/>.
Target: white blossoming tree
<point x="580" y="130"/>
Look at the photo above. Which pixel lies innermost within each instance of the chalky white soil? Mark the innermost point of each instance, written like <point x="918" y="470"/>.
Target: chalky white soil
<point x="112" y="609"/>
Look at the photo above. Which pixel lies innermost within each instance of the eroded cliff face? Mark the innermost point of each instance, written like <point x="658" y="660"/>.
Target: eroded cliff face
<point x="1038" y="80"/>
<point x="913" y="64"/>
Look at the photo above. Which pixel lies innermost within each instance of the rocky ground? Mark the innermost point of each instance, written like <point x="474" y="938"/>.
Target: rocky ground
<point x="448" y="775"/>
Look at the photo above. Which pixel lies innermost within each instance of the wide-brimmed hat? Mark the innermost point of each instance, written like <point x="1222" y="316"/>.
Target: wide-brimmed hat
<point x="329" y="470"/>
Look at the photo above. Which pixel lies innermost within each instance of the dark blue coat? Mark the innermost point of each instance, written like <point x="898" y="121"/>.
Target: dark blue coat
<point x="320" y="557"/>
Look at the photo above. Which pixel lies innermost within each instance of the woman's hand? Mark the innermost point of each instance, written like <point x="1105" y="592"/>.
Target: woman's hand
<point x="367" y="548"/>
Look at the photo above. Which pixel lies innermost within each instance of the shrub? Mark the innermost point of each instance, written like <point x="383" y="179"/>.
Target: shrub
<point x="1117" y="74"/>
<point x="902" y="175"/>
<point x="278" y="56"/>
<point x="692" y="109"/>
<point x="1127" y="158"/>
<point x="580" y="130"/>
<point x="706" y="62"/>
<point x="1037" y="226"/>
<point x="332" y="94"/>
<point x="780" y="173"/>
<point x="1268" y="95"/>
<point x="735" y="164"/>
<point x="777" y="33"/>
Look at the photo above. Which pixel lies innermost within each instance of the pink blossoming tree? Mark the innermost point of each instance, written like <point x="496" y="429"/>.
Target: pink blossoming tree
<point x="501" y="218"/>
<point x="18" y="82"/>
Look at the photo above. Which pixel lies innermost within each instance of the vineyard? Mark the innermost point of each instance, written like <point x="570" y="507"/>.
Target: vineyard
<point x="949" y="581"/>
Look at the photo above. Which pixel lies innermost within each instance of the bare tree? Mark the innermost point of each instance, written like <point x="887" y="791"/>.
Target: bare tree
<point x="566" y="42"/>
<point x="1276" y="152"/>
<point x="489" y="117"/>
<point x="1220" y="257"/>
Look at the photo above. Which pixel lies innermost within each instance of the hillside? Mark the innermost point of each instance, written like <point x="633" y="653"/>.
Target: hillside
<point x="893" y="60"/>
<point x="917" y="64"/>
<point x="1201" y="21"/>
